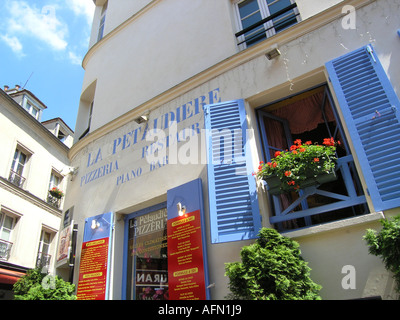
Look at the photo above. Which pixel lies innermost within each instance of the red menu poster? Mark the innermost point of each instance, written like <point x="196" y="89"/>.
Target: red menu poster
<point x="185" y="258"/>
<point x="93" y="270"/>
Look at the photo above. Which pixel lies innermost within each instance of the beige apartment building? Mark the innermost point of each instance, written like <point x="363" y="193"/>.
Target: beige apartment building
<point x="34" y="161"/>
<point x="180" y="102"/>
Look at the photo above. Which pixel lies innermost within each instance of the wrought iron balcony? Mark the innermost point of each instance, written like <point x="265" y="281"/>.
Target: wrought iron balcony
<point x="54" y="201"/>
<point x="281" y="20"/>
<point x="5" y="249"/>
<point x="16" y="179"/>
<point x="43" y="260"/>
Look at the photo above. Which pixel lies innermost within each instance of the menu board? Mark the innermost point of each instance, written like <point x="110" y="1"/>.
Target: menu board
<point x="93" y="270"/>
<point x="185" y="258"/>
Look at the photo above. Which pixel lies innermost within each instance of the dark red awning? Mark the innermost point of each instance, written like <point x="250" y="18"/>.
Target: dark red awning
<point x="9" y="276"/>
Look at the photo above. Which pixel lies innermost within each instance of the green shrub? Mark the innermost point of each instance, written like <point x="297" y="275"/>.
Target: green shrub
<point x="36" y="285"/>
<point x="386" y="244"/>
<point x="271" y="269"/>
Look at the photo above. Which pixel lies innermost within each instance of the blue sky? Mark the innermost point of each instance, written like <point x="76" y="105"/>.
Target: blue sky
<point x="42" y="44"/>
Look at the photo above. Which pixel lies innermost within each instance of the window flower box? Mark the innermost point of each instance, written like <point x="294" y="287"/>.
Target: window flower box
<point x="304" y="165"/>
<point x="56" y="193"/>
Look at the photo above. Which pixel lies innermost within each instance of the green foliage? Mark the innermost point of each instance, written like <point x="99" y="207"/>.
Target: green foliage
<point x="36" y="285"/>
<point x="271" y="269"/>
<point x="386" y="244"/>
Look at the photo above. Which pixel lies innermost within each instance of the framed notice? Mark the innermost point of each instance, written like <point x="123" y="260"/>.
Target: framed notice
<point x="95" y="258"/>
<point x="92" y="283"/>
<point x="185" y="258"/>
<point x="64" y="245"/>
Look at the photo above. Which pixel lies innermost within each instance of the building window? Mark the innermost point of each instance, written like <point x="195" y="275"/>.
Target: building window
<point x="89" y="121"/>
<point x="260" y="19"/>
<point x="53" y="196"/>
<point x="102" y="21"/>
<point x="311" y="116"/>
<point x="34" y="111"/>
<point x="147" y="261"/>
<point x="6" y="226"/>
<point x="18" y="167"/>
<point x="44" y="257"/>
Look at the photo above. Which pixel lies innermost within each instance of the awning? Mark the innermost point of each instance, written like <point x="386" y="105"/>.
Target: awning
<point x="9" y="276"/>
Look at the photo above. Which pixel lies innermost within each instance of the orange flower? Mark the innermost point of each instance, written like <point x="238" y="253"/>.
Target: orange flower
<point x="288" y="173"/>
<point x="297" y="141"/>
<point x="329" y="142"/>
<point x="316" y="159"/>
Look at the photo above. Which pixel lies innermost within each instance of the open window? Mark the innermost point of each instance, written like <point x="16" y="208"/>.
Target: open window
<point x="311" y="116"/>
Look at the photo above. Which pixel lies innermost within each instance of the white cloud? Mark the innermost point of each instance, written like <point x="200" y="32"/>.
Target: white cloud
<point x="82" y="7"/>
<point x="74" y="58"/>
<point x="41" y="24"/>
<point x="13" y="43"/>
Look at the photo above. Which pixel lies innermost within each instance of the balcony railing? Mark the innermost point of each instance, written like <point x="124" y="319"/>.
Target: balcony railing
<point x="54" y="201"/>
<point x="282" y="19"/>
<point x="43" y="260"/>
<point x="16" y="179"/>
<point x="346" y="198"/>
<point x="5" y="249"/>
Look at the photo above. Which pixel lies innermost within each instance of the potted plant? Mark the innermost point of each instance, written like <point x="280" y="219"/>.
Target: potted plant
<point x="304" y="165"/>
<point x="56" y="193"/>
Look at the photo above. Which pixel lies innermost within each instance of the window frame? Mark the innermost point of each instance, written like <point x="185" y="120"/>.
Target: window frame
<point x="3" y="216"/>
<point x="30" y="108"/>
<point x="102" y="23"/>
<point x="54" y="176"/>
<point x="265" y="13"/>
<point x="20" y="149"/>
<point x="344" y="165"/>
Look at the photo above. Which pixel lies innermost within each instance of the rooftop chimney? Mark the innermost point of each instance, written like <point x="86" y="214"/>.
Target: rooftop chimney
<point x="6" y="88"/>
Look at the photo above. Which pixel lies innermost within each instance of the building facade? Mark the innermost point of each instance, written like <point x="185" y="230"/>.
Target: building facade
<point x="182" y="100"/>
<point x="34" y="162"/>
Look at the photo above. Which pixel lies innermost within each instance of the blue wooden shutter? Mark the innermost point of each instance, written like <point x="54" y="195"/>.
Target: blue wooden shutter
<point x="371" y="111"/>
<point x="234" y="212"/>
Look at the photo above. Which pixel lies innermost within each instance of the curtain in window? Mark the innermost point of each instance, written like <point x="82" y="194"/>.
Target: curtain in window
<point x="304" y="115"/>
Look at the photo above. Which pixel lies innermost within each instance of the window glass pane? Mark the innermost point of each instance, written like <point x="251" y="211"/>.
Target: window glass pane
<point x="147" y="257"/>
<point x="6" y="228"/>
<point x="46" y="237"/>
<point x="21" y="163"/>
<point x="35" y="112"/>
<point x="276" y="5"/>
<point x="8" y="222"/>
<point x="28" y="106"/>
<point x="250" y="14"/>
<point x="54" y="181"/>
<point x="248" y="7"/>
<point x="284" y="20"/>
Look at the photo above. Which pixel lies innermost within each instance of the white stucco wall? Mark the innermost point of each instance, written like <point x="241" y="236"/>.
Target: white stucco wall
<point x="129" y="75"/>
<point x="28" y="204"/>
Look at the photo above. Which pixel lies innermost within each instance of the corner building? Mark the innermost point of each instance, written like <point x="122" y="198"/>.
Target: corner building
<point x="180" y="102"/>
